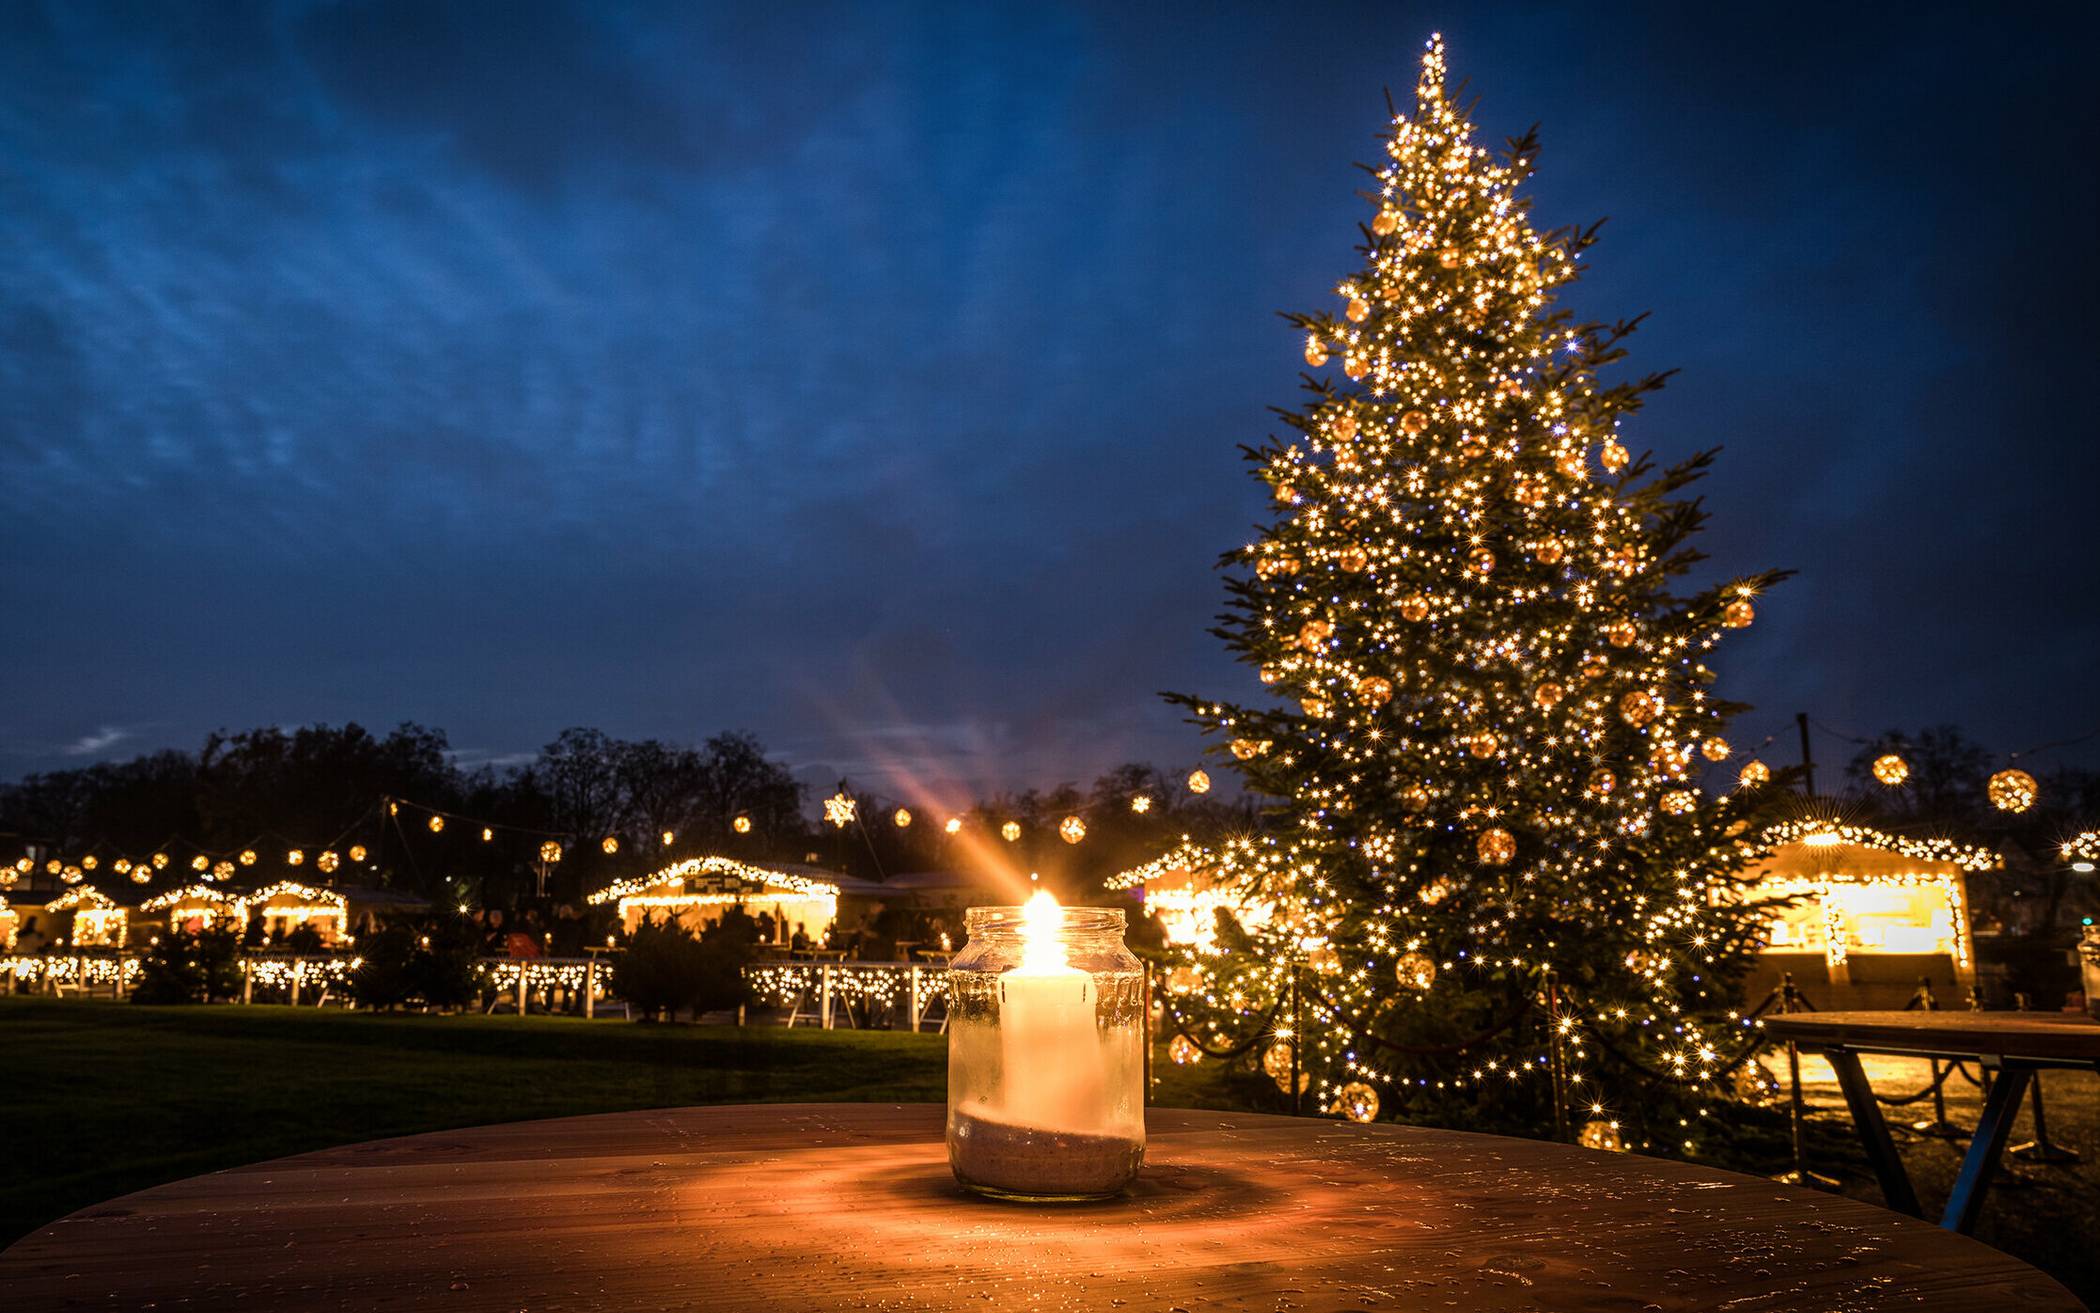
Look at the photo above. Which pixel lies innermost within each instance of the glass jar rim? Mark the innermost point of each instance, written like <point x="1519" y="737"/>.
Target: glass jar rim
<point x="1009" y="920"/>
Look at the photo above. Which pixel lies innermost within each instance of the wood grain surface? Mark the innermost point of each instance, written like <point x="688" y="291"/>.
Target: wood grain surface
<point x="851" y="1207"/>
<point x="2038" y="1036"/>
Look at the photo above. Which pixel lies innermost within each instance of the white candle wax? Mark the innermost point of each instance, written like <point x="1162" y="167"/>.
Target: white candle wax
<point x="1052" y="1073"/>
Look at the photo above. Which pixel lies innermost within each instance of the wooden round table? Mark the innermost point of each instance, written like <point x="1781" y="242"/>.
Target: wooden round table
<point x="848" y="1206"/>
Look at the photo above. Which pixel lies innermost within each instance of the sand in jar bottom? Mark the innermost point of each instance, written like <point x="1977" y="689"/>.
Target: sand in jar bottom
<point x="1006" y="1161"/>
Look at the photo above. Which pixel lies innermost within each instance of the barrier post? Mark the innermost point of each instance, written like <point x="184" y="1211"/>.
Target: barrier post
<point x="915" y="998"/>
<point x="590" y="987"/>
<point x="824" y="997"/>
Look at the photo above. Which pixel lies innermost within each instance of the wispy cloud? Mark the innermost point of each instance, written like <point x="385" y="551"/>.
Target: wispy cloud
<point x="97" y="743"/>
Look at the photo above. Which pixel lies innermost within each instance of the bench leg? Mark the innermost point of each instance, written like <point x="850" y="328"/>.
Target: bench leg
<point x="2000" y="1107"/>
<point x="1874" y="1134"/>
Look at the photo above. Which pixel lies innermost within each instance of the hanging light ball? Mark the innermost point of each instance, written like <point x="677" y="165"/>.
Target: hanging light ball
<point x="1183" y="1051"/>
<point x="1620" y="633"/>
<point x="1640" y="706"/>
<point x="436" y="823"/>
<point x="357" y="852"/>
<point x="901" y="818"/>
<point x="141" y="874"/>
<point x="1612" y="456"/>
<point x="1414" y="423"/>
<point x="123" y="865"/>
<point x="200" y="863"/>
<point x="296" y="857"/>
<point x="1357" y="1101"/>
<point x="222" y="871"/>
<point x="1496" y="847"/>
<point x="1891" y="769"/>
<point x="1549" y="695"/>
<point x="742" y="825"/>
<point x="1071" y="829"/>
<point x="1315" y="352"/>
<point x="1414" y="607"/>
<point x="160" y="861"/>
<point x="1414" y="971"/>
<point x="1677" y="802"/>
<point x="1600" y="1134"/>
<point x="1375" y="690"/>
<point x="550" y="852"/>
<point x="609" y="845"/>
<point x="1140" y="804"/>
<point x="953" y="825"/>
<point x="247" y="857"/>
<point x="70" y="874"/>
<point x="1199" y="782"/>
<point x="1754" y="775"/>
<point x="1738" y="614"/>
<point x="1714" y="749"/>
<point x="668" y="838"/>
<point x="328" y="861"/>
<point x="1011" y="831"/>
<point x="2012" y="790"/>
<point x="90" y="862"/>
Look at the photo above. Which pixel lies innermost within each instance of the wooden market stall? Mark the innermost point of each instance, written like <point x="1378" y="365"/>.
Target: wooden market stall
<point x="1866" y="915"/>
<point x="98" y="921"/>
<point x="1183" y="890"/>
<point x="287" y="905"/>
<point x="195" y="908"/>
<point x="695" y="893"/>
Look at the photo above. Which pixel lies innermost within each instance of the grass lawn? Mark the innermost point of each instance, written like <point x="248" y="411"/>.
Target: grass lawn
<point x="107" y="1098"/>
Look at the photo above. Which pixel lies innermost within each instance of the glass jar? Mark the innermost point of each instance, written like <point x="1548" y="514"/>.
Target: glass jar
<point x="1046" y="1054"/>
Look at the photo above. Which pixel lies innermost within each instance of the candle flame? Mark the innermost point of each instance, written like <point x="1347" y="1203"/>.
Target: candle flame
<point x="1041" y="918"/>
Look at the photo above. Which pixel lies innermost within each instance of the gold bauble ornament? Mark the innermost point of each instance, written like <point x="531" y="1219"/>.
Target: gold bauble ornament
<point x="1600" y="1134"/>
<point x="1891" y="769"/>
<point x="1315" y="353"/>
<point x="1011" y="831"/>
<point x="1714" y="749"/>
<point x="1182" y="1051"/>
<point x="1450" y="257"/>
<point x="1324" y="960"/>
<point x="1358" y="311"/>
<point x="1436" y="891"/>
<point x="1572" y="465"/>
<point x="1671" y="759"/>
<point x="1624" y="561"/>
<point x="1276" y="1063"/>
<point x="1385" y="223"/>
<point x="328" y="861"/>
<point x="1595" y="667"/>
<point x="1677" y="802"/>
<point x="1640" y="706"/>
<point x="1414" y="971"/>
<point x="1415" y="797"/>
<point x="1313" y="633"/>
<point x="1270" y="674"/>
<point x="1357" y="1101"/>
<point x="1344" y="427"/>
<point x="1414" y="607"/>
<point x="550" y="852"/>
<point x="1413" y="423"/>
<point x="1549" y="695"/>
<point x="1285" y="494"/>
<point x="1738" y="614"/>
<point x="1527" y="492"/>
<point x="1755" y="1084"/>
<point x="1071" y="829"/>
<point x="1184" y="980"/>
<point x="1620" y="633"/>
<point x="1376" y="690"/>
<point x="1472" y="449"/>
<point x="1481" y="562"/>
<point x="1199" y="782"/>
<point x="1601" y="783"/>
<point x="1353" y="559"/>
<point x="1754" y="775"/>
<point x="609" y="845"/>
<point x="1246" y="749"/>
<point x="1312" y="704"/>
<point x="1356" y="366"/>
<point x="1482" y="744"/>
<point x="1496" y="847"/>
<point x="1612" y="456"/>
<point x="2011" y="790"/>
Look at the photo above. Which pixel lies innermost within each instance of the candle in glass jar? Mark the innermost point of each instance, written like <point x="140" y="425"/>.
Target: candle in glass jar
<point x="1049" y="1049"/>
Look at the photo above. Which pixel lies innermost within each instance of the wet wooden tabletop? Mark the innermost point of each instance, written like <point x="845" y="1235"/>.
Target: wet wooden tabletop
<point x="850" y="1206"/>
<point x="2034" y="1036"/>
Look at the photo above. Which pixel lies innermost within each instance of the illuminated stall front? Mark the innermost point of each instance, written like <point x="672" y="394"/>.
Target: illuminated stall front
<point x="197" y="908"/>
<point x="697" y="892"/>
<point x="98" y="921"/>
<point x="1184" y="890"/>
<point x="1868" y="915"/>
<point x="287" y="905"/>
<point x="10" y="926"/>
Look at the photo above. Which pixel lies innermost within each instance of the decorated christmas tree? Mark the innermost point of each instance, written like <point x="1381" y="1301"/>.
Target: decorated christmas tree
<point x="1486" y="720"/>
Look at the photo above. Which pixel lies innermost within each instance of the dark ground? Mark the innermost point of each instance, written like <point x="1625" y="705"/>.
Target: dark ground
<point x="106" y="1098"/>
